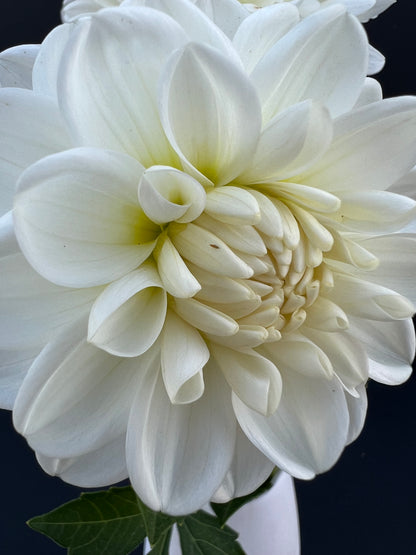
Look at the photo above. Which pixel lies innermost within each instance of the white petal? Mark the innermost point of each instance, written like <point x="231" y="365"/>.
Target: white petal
<point x="376" y="61"/>
<point x="31" y="128"/>
<point x="101" y="467"/>
<point x="177" y="455"/>
<point x="261" y="30"/>
<point x="307" y="433"/>
<point x="75" y="397"/>
<point x="291" y="142"/>
<point x="227" y="15"/>
<point x="357" y="408"/>
<point x="166" y="194"/>
<point x="372" y="148"/>
<point x="323" y="58"/>
<point x="174" y="273"/>
<point x="204" y="317"/>
<point x="379" y="6"/>
<point x="77" y="217"/>
<point x="128" y="316"/>
<point x="371" y="92"/>
<point x="110" y="72"/>
<point x="254" y="378"/>
<point x="206" y="250"/>
<point x="16" y="66"/>
<point x="391" y="347"/>
<point x="249" y="469"/>
<point x="184" y="354"/>
<point x="232" y="205"/>
<point x="326" y="316"/>
<point x="13" y="369"/>
<point x="210" y="113"/>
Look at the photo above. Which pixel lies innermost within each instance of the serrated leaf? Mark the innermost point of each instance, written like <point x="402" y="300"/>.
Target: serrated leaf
<point x="202" y="534"/>
<point x="161" y="547"/>
<point x="225" y="510"/>
<point x="156" y="524"/>
<point x="104" y="522"/>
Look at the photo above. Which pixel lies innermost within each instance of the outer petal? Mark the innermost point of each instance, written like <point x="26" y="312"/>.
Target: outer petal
<point x="372" y="148"/>
<point x="13" y="369"/>
<point x="75" y="398"/>
<point x="307" y="433"/>
<point x="97" y="468"/>
<point x="31" y="128"/>
<point x="16" y="66"/>
<point x="73" y="9"/>
<point x="227" y="15"/>
<point x="371" y="92"/>
<point x="324" y="58"/>
<point x="249" y="469"/>
<point x="177" y="455"/>
<point x="379" y="6"/>
<point x="210" y="113"/>
<point x="128" y="316"/>
<point x="357" y="407"/>
<point x="78" y="220"/>
<point x="110" y="72"/>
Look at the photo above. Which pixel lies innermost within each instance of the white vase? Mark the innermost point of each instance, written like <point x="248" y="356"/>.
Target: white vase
<point x="268" y="525"/>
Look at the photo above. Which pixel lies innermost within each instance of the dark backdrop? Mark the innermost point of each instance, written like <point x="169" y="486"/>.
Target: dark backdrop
<point x="363" y="506"/>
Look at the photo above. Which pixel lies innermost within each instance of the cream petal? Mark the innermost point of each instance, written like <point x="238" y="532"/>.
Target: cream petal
<point x="177" y="455"/>
<point x="324" y="315"/>
<point x="77" y="218"/>
<point x="210" y="113"/>
<point x="372" y="148"/>
<point x="128" y="316"/>
<point x="291" y="142"/>
<point x="111" y="66"/>
<point x="323" y="58"/>
<point x="184" y="354"/>
<point x="249" y="469"/>
<point x="252" y="377"/>
<point x="232" y="205"/>
<point x="204" y="317"/>
<point x="31" y="129"/>
<point x="75" y="397"/>
<point x="261" y="30"/>
<point x="97" y="468"/>
<point x="308" y="432"/>
<point x="16" y="65"/>
<point x="174" y="273"/>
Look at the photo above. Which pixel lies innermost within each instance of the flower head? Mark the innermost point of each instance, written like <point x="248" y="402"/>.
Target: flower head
<point x="207" y="255"/>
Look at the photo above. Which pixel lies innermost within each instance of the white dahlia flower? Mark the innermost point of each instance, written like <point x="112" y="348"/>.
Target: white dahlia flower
<point x="203" y="265"/>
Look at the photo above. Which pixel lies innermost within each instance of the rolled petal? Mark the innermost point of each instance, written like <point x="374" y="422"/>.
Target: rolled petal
<point x="77" y="217"/>
<point x="322" y="58"/>
<point x="166" y="194"/>
<point x="232" y="205"/>
<point x="255" y="379"/>
<point x="210" y="113"/>
<point x="98" y="468"/>
<point x="308" y="432"/>
<point x="290" y="143"/>
<point x="177" y="455"/>
<point x="249" y="469"/>
<point x="372" y="148"/>
<point x="16" y="65"/>
<point x="110" y="72"/>
<point x="76" y="398"/>
<point x="325" y="315"/>
<point x="128" y="316"/>
<point x="204" y="317"/>
<point x="184" y="354"/>
<point x="31" y="129"/>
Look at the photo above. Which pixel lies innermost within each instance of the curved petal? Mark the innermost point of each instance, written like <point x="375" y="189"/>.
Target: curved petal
<point x="371" y="92"/>
<point x="322" y="58"/>
<point x="14" y="366"/>
<point x="77" y="217"/>
<point x="31" y="128"/>
<point x="101" y="467"/>
<point x="227" y="15"/>
<point x="309" y="430"/>
<point x="76" y="398"/>
<point x="16" y="65"/>
<point x="110" y="71"/>
<point x="128" y="316"/>
<point x="183" y="356"/>
<point x="248" y="470"/>
<point x="357" y="408"/>
<point x="210" y="113"/>
<point x="177" y="455"/>
<point x="372" y="148"/>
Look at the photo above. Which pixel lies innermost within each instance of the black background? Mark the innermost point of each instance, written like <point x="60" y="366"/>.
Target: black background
<point x="365" y="504"/>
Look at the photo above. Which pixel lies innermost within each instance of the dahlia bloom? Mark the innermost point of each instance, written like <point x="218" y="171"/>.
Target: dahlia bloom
<point x="203" y="265"/>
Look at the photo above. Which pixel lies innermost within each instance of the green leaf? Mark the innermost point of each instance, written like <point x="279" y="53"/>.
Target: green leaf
<point x="105" y="522"/>
<point x="225" y="510"/>
<point x="156" y="524"/>
<point x="161" y="547"/>
<point x="202" y="534"/>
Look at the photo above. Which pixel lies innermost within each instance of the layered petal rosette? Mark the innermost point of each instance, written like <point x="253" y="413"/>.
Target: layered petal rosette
<point x="203" y="265"/>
